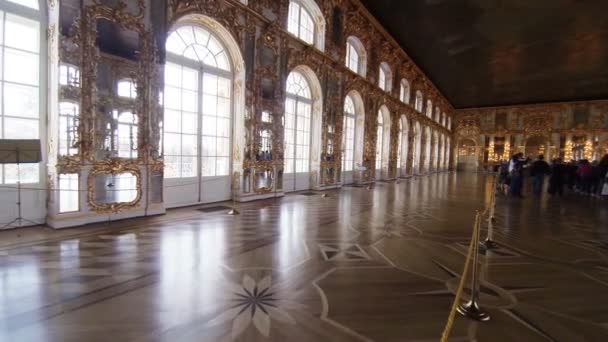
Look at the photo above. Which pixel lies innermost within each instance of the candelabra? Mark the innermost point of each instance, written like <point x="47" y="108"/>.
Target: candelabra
<point x="568" y="151"/>
<point x="588" y="150"/>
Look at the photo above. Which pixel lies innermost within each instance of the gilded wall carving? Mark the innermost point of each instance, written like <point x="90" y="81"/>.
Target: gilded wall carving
<point x="269" y="54"/>
<point x="558" y="125"/>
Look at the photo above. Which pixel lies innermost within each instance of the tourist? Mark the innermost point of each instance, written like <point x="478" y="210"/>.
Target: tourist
<point x="503" y="176"/>
<point x="602" y="170"/>
<point x="538" y="170"/>
<point x="585" y="176"/>
<point x="558" y="175"/>
<point x="516" y="174"/>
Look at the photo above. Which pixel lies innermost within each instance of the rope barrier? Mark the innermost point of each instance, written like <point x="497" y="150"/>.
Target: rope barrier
<point x="471" y="309"/>
<point x="463" y="279"/>
<point x="14" y="187"/>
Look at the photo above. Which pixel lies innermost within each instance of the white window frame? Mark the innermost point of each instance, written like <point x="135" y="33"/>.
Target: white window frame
<point x="348" y="135"/>
<point x="404" y="92"/>
<point x="307" y="101"/>
<point x="314" y="12"/>
<point x="385" y="77"/>
<point x="39" y="15"/>
<point x="202" y="70"/>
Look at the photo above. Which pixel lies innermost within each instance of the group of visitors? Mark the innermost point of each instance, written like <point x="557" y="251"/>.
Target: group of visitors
<point x="584" y="177"/>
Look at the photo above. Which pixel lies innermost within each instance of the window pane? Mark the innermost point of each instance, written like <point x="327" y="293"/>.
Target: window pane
<point x="29" y="173"/>
<point x="20" y="128"/>
<point x="22" y="33"/>
<point x="21" y="67"/>
<point x="189" y="145"/>
<point x="68" y="193"/>
<point x="188" y="166"/>
<point x="21" y="101"/>
<point x="189" y="123"/>
<point x="27" y="3"/>
<point x="208" y="166"/>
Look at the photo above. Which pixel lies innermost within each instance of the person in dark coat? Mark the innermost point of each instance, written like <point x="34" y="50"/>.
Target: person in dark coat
<point x="516" y="174"/>
<point x="538" y="170"/>
<point x="558" y="177"/>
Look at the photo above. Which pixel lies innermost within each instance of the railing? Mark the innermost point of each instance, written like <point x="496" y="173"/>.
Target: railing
<point x="471" y="309"/>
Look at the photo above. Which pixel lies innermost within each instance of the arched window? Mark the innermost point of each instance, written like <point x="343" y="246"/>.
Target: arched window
<point x="305" y="21"/>
<point x="443" y="123"/>
<point x="427" y="149"/>
<point x="348" y="135"/>
<point x="379" y="141"/>
<point x="298" y="111"/>
<point x="399" y="138"/>
<point x="382" y="141"/>
<point x="419" y="101"/>
<point x="354" y="119"/>
<point x="385" y="77"/>
<point x="449" y="123"/>
<point x="403" y="142"/>
<point x="429" y="108"/>
<point x="198" y="102"/>
<point x="68" y="128"/>
<point x="404" y="92"/>
<point x="417" y="148"/>
<point x="356" y="57"/>
<point x="21" y="82"/>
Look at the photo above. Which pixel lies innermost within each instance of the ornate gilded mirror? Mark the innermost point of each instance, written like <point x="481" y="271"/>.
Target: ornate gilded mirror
<point x="264" y="180"/>
<point x="114" y="187"/>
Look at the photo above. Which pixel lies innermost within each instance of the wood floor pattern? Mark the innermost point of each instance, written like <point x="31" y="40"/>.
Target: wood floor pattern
<point x="359" y="265"/>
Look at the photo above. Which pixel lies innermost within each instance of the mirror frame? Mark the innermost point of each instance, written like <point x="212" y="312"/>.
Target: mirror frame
<point x="112" y="167"/>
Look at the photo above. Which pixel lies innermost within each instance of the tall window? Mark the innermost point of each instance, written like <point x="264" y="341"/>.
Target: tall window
<point x="300" y="23"/>
<point x="348" y="135"/>
<point x="20" y="42"/>
<point x="449" y="122"/>
<point x="379" y="140"/>
<point x="385" y="77"/>
<point x="399" y="143"/>
<point x="419" y="101"/>
<point x="443" y="123"/>
<point x="352" y="57"/>
<point x="68" y="128"/>
<point x="356" y="57"/>
<point x="298" y="110"/>
<point x="404" y="92"/>
<point x="198" y="100"/>
<point x="429" y="108"/>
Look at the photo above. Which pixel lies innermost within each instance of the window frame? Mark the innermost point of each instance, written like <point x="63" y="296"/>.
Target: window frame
<point x="202" y="69"/>
<point x="40" y="16"/>
<point x="302" y="7"/>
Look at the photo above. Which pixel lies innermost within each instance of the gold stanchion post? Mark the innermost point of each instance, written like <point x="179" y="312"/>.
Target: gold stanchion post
<point x="489" y="242"/>
<point x="471" y="309"/>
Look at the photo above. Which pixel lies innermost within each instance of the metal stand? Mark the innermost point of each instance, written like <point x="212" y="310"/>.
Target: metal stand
<point x="489" y="243"/>
<point x="233" y="211"/>
<point x="18" y="222"/>
<point x="471" y="309"/>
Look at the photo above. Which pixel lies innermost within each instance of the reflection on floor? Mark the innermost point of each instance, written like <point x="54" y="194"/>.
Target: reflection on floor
<point x="360" y="265"/>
